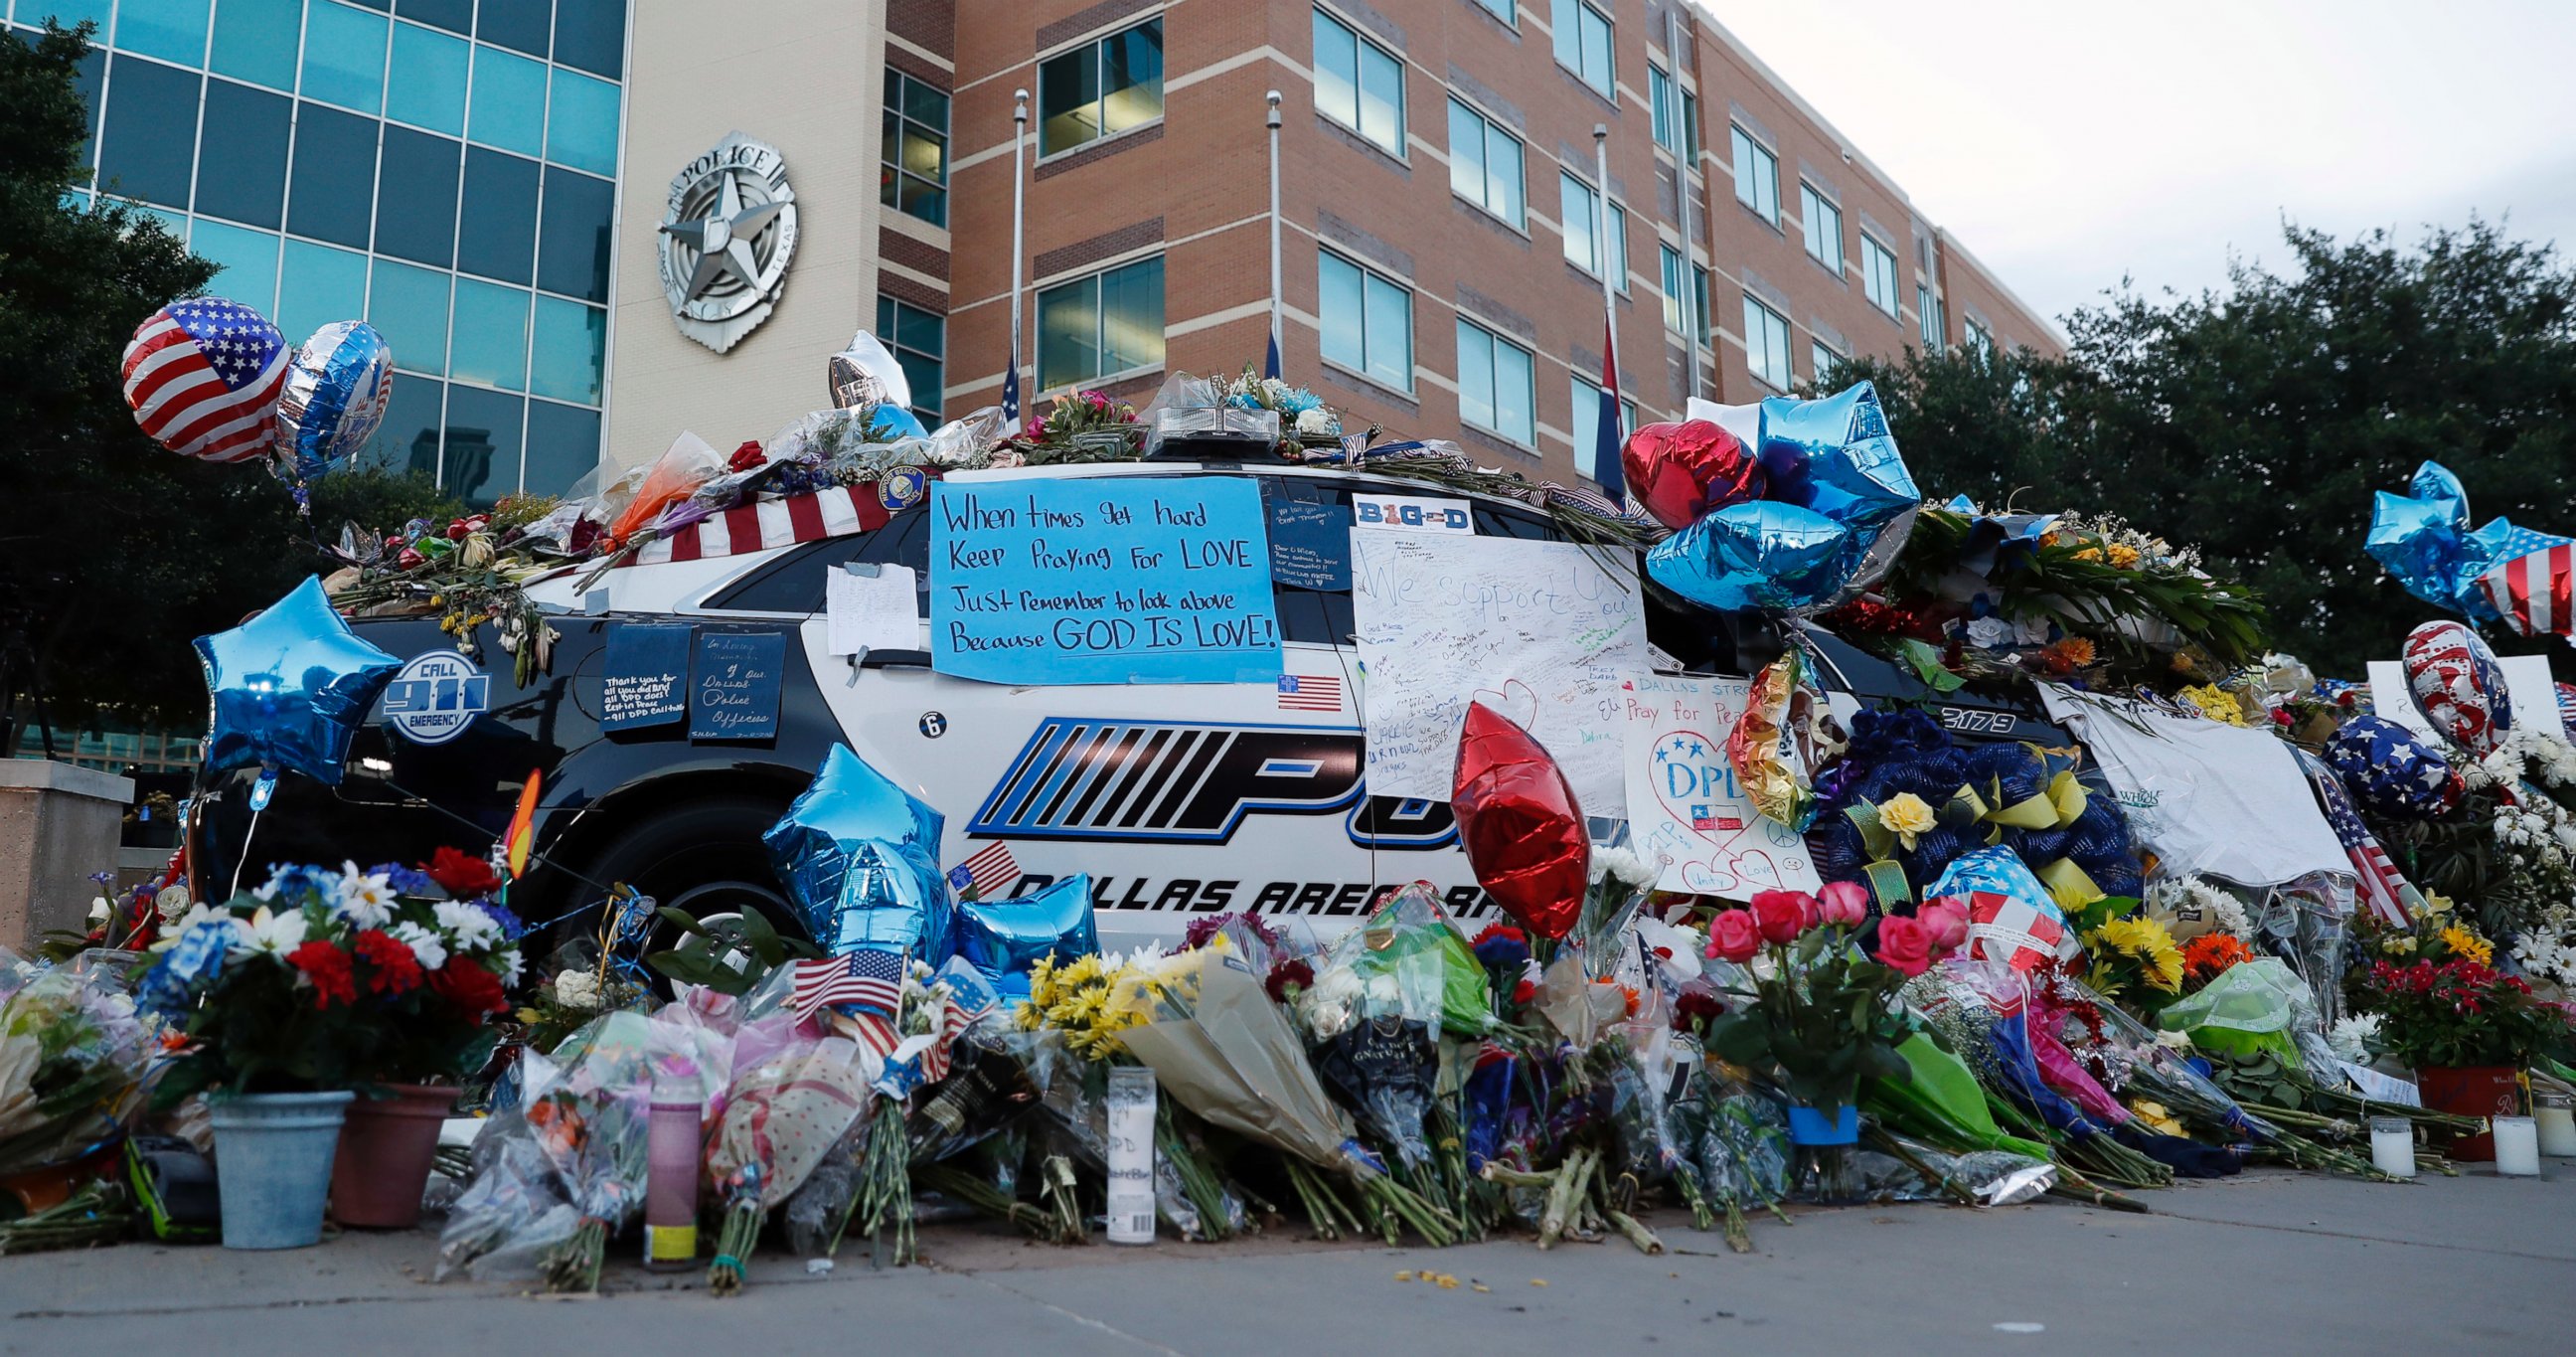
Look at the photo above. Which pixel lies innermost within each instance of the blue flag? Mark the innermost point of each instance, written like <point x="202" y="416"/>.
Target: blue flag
<point x="1011" y="397"/>
<point x="1605" y="441"/>
<point x="1270" y="362"/>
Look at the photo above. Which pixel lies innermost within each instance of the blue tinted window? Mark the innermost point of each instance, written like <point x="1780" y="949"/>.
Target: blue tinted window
<point x="428" y="85"/>
<point x="522" y="24"/>
<point x="509" y="100"/>
<point x="416" y="197"/>
<point x="241" y="161"/>
<point x="255" y="40"/>
<point x="572" y="251"/>
<point x="409" y="436"/>
<point x="85" y="78"/>
<point x="318" y="285"/>
<point x="581" y="123"/>
<point x="490" y="345"/>
<point x="150" y="138"/>
<point x="408" y="306"/>
<point x="249" y="261"/>
<point x="332" y="195"/>
<point x="174" y="30"/>
<point x="456" y="16"/>
<point x="563" y="446"/>
<point x="344" y="57"/>
<point x="591" y="34"/>
<point x="68" y="13"/>
<point x="571" y="342"/>
<point x="498" y="236"/>
<point x="482" y="455"/>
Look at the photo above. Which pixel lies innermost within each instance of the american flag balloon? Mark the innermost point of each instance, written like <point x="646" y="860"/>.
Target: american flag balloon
<point x="2458" y="685"/>
<point x="2533" y="591"/>
<point x="203" y="376"/>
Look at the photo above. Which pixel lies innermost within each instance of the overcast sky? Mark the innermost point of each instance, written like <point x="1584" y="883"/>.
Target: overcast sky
<point x="2068" y="144"/>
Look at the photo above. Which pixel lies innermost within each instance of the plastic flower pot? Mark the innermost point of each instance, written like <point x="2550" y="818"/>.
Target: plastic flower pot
<point x="2472" y="1091"/>
<point x="1817" y="1126"/>
<point x="386" y="1148"/>
<point x="273" y="1155"/>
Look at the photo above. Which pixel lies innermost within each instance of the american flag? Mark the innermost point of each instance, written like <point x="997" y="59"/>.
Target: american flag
<point x="203" y="376"/>
<point x="905" y="1063"/>
<point x="2532" y="591"/>
<point x="2378" y="881"/>
<point x="1310" y="692"/>
<point x="987" y="874"/>
<point x="2001" y="928"/>
<point x="1606" y="471"/>
<point x="1011" y="392"/>
<point x="872" y="979"/>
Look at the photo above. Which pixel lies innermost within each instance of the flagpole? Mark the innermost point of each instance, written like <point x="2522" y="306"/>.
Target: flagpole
<point x="1606" y="475"/>
<point x="1019" y="204"/>
<point x="1682" y="158"/>
<point x="1277" y="339"/>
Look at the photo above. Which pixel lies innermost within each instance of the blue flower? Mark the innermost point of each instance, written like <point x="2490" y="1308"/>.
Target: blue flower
<point x="512" y="928"/>
<point x="1299" y="400"/>
<point x="170" y="987"/>
<point x="404" y="880"/>
<point x="298" y="883"/>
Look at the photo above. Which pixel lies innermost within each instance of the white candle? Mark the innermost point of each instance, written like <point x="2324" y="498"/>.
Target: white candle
<point x="2557" y="1129"/>
<point x="2517" y="1146"/>
<point x="1131" y="1154"/>
<point x="2392" y="1146"/>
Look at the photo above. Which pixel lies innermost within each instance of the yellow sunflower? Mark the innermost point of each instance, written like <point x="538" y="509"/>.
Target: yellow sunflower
<point x="2464" y="943"/>
<point x="2146" y="942"/>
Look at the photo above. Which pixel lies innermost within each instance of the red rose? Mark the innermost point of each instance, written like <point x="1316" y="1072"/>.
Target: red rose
<point x="1733" y="936"/>
<point x="328" y="968"/>
<point x="1843" y="903"/>
<point x="1904" y="945"/>
<point x="746" y="457"/>
<point x="1784" y="915"/>
<point x="391" y="968"/>
<point x="468" y="986"/>
<point x="1947" y="919"/>
<point x="464" y="875"/>
<point x="1523" y="992"/>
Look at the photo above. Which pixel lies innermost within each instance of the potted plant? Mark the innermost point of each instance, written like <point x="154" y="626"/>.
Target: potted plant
<point x="2468" y="1031"/>
<point x="292" y="995"/>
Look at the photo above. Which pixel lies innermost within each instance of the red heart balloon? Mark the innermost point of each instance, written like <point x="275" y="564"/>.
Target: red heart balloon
<point x="1519" y="823"/>
<point x="1681" y="471"/>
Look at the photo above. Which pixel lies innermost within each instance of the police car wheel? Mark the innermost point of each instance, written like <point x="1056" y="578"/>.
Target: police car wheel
<point x="705" y="859"/>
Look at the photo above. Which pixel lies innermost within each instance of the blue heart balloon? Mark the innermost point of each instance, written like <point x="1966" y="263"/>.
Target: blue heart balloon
<point x="335" y="396"/>
<point x="1004" y="938"/>
<point x="290" y="687"/>
<point x="860" y="859"/>
<point x="1759" y="554"/>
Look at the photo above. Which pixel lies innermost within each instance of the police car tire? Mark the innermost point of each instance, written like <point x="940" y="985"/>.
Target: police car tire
<point x="701" y="856"/>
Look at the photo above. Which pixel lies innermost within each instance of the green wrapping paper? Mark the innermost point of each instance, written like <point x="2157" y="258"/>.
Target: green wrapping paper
<point x="1941" y="1102"/>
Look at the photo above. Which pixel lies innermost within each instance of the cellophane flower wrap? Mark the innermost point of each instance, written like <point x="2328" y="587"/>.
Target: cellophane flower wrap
<point x="73" y="1058"/>
<point x="1377" y="1008"/>
<point x="794" y="1093"/>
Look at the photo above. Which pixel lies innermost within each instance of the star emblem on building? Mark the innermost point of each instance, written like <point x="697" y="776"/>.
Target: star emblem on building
<point x="727" y="236"/>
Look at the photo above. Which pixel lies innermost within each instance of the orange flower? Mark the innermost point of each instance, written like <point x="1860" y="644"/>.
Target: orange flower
<point x="2204" y="957"/>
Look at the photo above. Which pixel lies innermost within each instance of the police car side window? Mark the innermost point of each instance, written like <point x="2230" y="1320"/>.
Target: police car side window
<point x="794" y="582"/>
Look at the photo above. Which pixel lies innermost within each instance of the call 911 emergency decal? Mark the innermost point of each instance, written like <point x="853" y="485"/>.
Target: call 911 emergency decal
<point x="436" y="697"/>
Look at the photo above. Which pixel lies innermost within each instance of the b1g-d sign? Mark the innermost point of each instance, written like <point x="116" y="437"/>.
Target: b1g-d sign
<point x="1080" y="581"/>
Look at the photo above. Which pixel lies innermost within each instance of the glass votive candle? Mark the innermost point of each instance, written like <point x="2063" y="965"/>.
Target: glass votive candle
<point x="2517" y="1146"/>
<point x="2555" y="1115"/>
<point x="2392" y="1146"/>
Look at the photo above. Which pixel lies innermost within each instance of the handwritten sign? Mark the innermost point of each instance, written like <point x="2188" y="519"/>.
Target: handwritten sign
<point x="1540" y="631"/>
<point x="1310" y="545"/>
<point x="644" y="675"/>
<point x="1164" y="580"/>
<point x="873" y="608"/>
<point x="733" y="694"/>
<point x="1684" y="807"/>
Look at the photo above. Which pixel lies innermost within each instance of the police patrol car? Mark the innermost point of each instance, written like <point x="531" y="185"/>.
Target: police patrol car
<point x="1178" y="800"/>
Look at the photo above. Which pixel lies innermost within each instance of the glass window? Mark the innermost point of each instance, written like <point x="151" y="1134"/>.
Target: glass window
<point x="408" y="439"/>
<point x="173" y="30"/>
<point x="919" y="341"/>
<point x="456" y="16"/>
<point x="1581" y="222"/>
<point x="509" y="101"/>
<point x="1484" y="163"/>
<point x="1359" y="84"/>
<point x="149" y="142"/>
<point x="428" y="79"/>
<point x="520" y="24"/>
<point x="571" y="347"/>
<point x="497" y="237"/>
<point x="249" y="262"/>
<point x="1757" y="177"/>
<point x="1927" y="313"/>
<point x="1700" y="295"/>
<point x="591" y="34"/>
<point x="1494" y="386"/>
<point x="1501" y="9"/>
<point x="87" y="75"/>
<point x="1659" y="101"/>
<point x="1821" y="360"/>
<point x="1674" y="280"/>
<point x="1367" y="321"/>
<point x="1098" y="326"/>
<point x="563" y="447"/>
<point x="1979" y="337"/>
<point x="344" y="57"/>
<point x="914" y="175"/>
<point x="408" y="306"/>
<point x="256" y="40"/>
<point x="480" y="462"/>
<point x="572" y="245"/>
<point x="1587" y="426"/>
<point x="1822" y="222"/>
<point x="581" y="123"/>
<point x="68" y="13"/>
<point x="241" y="172"/>
<point x="1690" y="127"/>
<point x="490" y="341"/>
<point x="1766" y="344"/>
<point x="416" y="197"/>
<point x="1878" y="273"/>
<point x="1583" y="45"/>
<point x="318" y="285"/>
<point x="1101" y="88"/>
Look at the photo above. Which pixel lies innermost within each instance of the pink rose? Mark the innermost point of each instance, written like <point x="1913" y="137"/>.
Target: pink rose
<point x="1784" y="915"/>
<point x="1947" y="919"/>
<point x="1904" y="945"/>
<point x="1733" y="936"/>
<point x="1844" y="904"/>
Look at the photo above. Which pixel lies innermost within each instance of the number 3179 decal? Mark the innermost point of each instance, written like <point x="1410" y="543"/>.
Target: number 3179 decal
<point x="1976" y="721"/>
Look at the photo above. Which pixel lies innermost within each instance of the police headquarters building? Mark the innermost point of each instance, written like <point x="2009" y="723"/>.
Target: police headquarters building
<point x="585" y="226"/>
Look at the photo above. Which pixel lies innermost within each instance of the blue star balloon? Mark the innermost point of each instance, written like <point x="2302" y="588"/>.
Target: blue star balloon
<point x="1758" y="554"/>
<point x="2424" y="542"/>
<point x="1004" y="938"/>
<point x="290" y="687"/>
<point x="1836" y="457"/>
<point x="859" y="858"/>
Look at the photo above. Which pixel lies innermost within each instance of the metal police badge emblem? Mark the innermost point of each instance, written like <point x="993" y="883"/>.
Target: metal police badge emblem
<point x="728" y="235"/>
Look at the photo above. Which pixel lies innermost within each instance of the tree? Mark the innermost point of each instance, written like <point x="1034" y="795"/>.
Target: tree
<point x="114" y="553"/>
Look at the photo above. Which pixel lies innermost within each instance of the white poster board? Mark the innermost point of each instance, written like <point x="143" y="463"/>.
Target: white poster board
<point x="869" y="610"/>
<point x="2526" y="681"/>
<point x="1540" y="631"/>
<point x="1685" y="810"/>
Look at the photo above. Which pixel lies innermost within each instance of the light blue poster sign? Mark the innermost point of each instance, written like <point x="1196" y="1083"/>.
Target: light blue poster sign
<point x="1164" y="580"/>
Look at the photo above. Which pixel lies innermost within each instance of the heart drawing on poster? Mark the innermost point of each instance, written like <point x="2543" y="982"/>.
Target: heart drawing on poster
<point x="1514" y="700"/>
<point x="1718" y="845"/>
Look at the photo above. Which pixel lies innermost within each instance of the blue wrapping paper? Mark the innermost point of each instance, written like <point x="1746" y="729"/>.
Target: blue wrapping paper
<point x="289" y="687"/>
<point x="859" y="858"/>
<point x="1759" y="554"/>
<point x="1003" y="939"/>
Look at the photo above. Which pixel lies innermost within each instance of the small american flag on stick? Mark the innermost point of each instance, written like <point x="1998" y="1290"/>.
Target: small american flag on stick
<point x="986" y="875"/>
<point x="872" y="979"/>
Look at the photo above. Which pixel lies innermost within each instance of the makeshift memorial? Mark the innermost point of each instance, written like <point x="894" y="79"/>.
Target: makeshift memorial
<point x="337" y="385"/>
<point x="1304" y="420"/>
<point x="469" y="572"/>
<point x="203" y="376"/>
<point x="2467" y="1030"/>
<point x="1680" y="472"/>
<point x="1082" y="426"/>
<point x="1519" y="824"/>
<point x="2387" y="769"/>
<point x="73" y="1066"/>
<point x="290" y="687"/>
<point x="858" y="856"/>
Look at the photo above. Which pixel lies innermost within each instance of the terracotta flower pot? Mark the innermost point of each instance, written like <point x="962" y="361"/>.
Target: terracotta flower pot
<point x="2474" y="1091"/>
<point x="386" y="1147"/>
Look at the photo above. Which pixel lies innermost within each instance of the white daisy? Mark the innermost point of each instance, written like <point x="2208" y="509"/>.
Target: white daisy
<point x="471" y="928"/>
<point x="365" y="901"/>
<point x="426" y="946"/>
<point x="275" y="933"/>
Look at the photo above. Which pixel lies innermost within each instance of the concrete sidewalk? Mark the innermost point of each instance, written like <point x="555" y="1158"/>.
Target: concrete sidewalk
<point x="2271" y="1261"/>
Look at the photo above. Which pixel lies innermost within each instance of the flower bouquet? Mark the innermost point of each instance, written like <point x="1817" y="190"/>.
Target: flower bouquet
<point x="1082" y="426"/>
<point x="793" y="1095"/>
<point x="72" y="1067"/>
